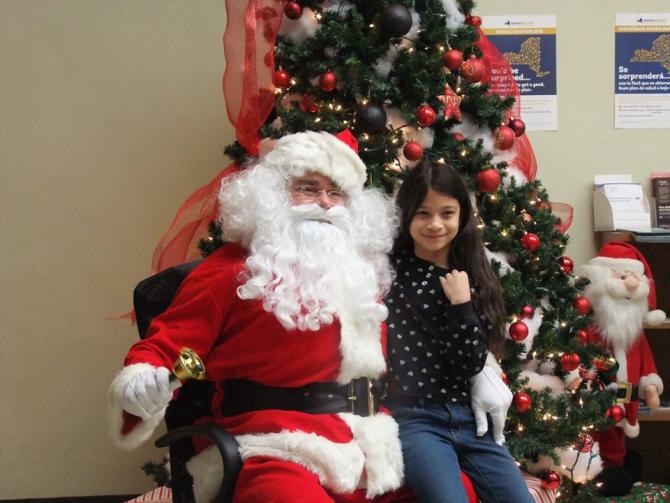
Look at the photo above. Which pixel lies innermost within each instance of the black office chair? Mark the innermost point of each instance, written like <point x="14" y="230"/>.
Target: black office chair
<point x="151" y="297"/>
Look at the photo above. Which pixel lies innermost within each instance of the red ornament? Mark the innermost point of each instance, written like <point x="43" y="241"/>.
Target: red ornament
<point x="616" y="413"/>
<point x="413" y="151"/>
<point x="293" y="10"/>
<point x="518" y="126"/>
<point x="550" y="480"/>
<point x="475" y="21"/>
<point x="328" y="81"/>
<point x="518" y="331"/>
<point x="584" y="442"/>
<point x="458" y="137"/>
<point x="425" y="115"/>
<point x="582" y="305"/>
<point x="488" y="180"/>
<point x="570" y="361"/>
<point x="281" y="78"/>
<point x="307" y="104"/>
<point x="503" y="137"/>
<point x="530" y="241"/>
<point x="583" y="336"/>
<point x="567" y="265"/>
<point x="527" y="312"/>
<point x="453" y="59"/>
<point x="522" y="402"/>
<point x="474" y="70"/>
<point x="451" y="102"/>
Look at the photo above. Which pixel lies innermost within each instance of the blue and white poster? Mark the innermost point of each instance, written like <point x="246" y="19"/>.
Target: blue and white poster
<point x="529" y="44"/>
<point x="642" y="71"/>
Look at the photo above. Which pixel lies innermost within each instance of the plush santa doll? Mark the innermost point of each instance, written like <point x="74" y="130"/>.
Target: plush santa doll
<point x="622" y="293"/>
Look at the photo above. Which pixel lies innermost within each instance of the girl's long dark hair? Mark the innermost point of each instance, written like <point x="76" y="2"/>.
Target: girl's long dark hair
<point x="466" y="252"/>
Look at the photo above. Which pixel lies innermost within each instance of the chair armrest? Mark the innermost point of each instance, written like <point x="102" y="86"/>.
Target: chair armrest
<point x="228" y="448"/>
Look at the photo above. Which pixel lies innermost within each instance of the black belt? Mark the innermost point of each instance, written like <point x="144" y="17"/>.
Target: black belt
<point x="358" y="397"/>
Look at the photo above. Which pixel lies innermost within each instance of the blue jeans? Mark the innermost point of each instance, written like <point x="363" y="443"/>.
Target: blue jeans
<point x="438" y="441"/>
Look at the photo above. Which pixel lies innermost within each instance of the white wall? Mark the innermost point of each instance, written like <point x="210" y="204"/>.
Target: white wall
<point x="111" y="114"/>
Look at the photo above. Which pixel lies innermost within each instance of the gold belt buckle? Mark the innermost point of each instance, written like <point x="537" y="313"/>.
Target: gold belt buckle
<point x="371" y="397"/>
<point x="624" y="392"/>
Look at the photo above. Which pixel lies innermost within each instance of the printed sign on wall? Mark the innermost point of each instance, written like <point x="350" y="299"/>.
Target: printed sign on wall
<point x="529" y="44"/>
<point x="642" y="71"/>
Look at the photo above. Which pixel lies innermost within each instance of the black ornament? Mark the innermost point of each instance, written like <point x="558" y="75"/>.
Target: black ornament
<point x="395" y="21"/>
<point x="371" y="118"/>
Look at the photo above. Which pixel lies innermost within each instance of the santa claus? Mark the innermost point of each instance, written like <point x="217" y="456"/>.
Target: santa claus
<point x="289" y="312"/>
<point x="621" y="292"/>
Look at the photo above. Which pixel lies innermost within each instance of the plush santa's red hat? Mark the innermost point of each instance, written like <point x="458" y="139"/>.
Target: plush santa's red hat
<point x="622" y="256"/>
<point x="334" y="156"/>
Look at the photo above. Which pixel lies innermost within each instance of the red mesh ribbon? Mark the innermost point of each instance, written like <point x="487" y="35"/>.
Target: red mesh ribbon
<point x="502" y="83"/>
<point x="564" y="213"/>
<point x="248" y="42"/>
<point x="180" y="243"/>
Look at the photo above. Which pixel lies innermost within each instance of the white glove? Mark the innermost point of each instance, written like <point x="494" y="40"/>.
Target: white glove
<point x="148" y="393"/>
<point x="490" y="394"/>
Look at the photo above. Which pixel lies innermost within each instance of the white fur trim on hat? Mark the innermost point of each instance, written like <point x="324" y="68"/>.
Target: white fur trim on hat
<point x="618" y="264"/>
<point x="144" y="429"/>
<point x="321" y="152"/>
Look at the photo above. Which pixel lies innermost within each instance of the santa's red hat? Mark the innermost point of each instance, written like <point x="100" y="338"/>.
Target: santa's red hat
<point x="622" y="256"/>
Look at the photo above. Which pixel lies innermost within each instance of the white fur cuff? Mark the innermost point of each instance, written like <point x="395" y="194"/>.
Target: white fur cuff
<point x="144" y="429"/>
<point x="630" y="430"/>
<point x="654" y="380"/>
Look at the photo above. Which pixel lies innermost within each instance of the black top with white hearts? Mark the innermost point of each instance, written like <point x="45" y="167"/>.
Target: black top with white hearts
<point x="433" y="347"/>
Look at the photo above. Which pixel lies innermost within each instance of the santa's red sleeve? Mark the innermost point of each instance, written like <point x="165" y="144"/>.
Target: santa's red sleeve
<point x="193" y="320"/>
<point x="648" y="374"/>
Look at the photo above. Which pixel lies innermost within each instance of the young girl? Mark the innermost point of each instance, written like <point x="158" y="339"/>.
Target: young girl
<point x="445" y="311"/>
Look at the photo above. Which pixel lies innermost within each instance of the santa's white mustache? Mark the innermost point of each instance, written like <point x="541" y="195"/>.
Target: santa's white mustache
<point x="335" y="215"/>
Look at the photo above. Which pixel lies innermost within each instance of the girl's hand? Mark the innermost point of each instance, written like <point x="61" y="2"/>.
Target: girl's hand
<point x="456" y="286"/>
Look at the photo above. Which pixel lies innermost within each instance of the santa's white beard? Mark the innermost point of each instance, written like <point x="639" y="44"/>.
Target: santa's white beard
<point x="618" y="318"/>
<point x="306" y="267"/>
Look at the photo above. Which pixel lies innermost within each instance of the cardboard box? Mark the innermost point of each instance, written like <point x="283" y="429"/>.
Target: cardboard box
<point x="660" y="190"/>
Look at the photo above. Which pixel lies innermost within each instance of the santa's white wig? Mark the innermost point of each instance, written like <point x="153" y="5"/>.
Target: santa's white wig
<point x="296" y="252"/>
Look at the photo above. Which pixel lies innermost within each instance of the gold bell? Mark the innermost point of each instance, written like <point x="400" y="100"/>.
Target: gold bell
<point x="188" y="366"/>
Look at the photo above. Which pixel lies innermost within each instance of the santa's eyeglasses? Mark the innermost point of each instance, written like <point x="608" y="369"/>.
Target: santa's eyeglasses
<point x="313" y="192"/>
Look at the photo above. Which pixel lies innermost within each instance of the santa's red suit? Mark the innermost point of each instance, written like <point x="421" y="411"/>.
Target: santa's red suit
<point x="636" y="367"/>
<point x="239" y="339"/>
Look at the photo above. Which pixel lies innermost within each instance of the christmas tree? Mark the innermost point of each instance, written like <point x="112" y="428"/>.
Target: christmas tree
<point x="417" y="80"/>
